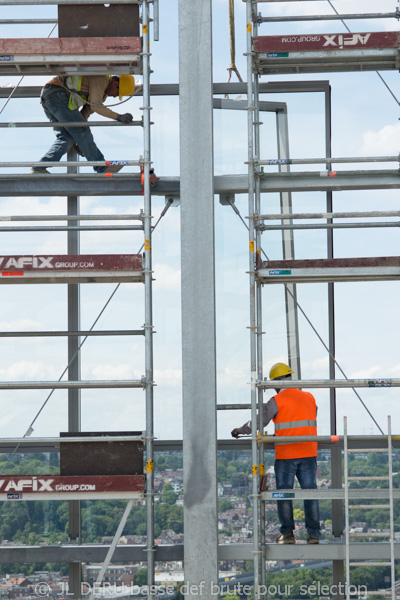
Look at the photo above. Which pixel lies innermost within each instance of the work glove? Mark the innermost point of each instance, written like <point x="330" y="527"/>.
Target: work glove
<point x="235" y="433"/>
<point x="126" y="118"/>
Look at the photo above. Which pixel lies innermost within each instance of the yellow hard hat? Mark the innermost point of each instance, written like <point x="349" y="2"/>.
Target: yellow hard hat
<point x="279" y="370"/>
<point x="126" y="85"/>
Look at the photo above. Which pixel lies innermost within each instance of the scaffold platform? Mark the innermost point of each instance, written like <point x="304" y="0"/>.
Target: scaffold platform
<point x="385" y="268"/>
<point x="70" y="56"/>
<point x="71" y="268"/>
<point x="319" y="53"/>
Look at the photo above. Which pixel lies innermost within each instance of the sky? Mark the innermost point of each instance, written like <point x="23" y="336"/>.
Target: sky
<point x="364" y="123"/>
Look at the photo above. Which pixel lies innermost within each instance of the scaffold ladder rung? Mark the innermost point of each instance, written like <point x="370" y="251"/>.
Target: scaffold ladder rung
<point x="369" y="478"/>
<point x="364" y="450"/>
<point x="367" y="535"/>
<point x="371" y="564"/>
<point x="369" y="506"/>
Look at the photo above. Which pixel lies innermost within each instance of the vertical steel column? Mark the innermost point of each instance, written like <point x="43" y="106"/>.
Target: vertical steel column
<point x="148" y="291"/>
<point x="292" y="321"/>
<point x="336" y="454"/>
<point x="198" y="299"/>
<point x="74" y="374"/>
<point x="252" y="288"/>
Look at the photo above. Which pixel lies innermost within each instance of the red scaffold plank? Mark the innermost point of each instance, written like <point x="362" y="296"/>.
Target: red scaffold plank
<point x="65" y="46"/>
<point x="326" y="41"/>
<point x="71" y="262"/>
<point x="321" y="263"/>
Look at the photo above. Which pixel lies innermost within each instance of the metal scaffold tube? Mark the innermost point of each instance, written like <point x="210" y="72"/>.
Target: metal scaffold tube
<point x="125" y="217"/>
<point x="329" y="215"/>
<point x="391" y="15"/>
<point x="252" y="291"/>
<point x="330" y="226"/>
<point x="65" y="385"/>
<point x="31" y="124"/>
<point x="328" y="161"/>
<point x="334" y="383"/>
<point x="73" y="163"/>
<point x="148" y="326"/>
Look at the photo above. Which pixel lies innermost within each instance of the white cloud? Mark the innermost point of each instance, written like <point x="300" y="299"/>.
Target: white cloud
<point x="26" y="370"/>
<point x="384" y="142"/>
<point x="166" y="277"/>
<point x="110" y="372"/>
<point x="168" y="377"/>
<point x="21" y="325"/>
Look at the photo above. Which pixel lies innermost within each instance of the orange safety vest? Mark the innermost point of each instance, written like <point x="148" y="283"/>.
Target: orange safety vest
<point x="297" y="415"/>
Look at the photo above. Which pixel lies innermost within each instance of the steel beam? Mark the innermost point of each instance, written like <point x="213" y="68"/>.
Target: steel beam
<point x="198" y="296"/>
<point x="129" y="185"/>
<point x="172" y="89"/>
<point x="129" y="553"/>
<point x="74" y="374"/>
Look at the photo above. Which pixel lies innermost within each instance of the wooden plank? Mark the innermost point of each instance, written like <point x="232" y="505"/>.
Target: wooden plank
<point x="325" y="42"/>
<point x="101" y="458"/>
<point x="70" y="45"/>
<point x="94" y="20"/>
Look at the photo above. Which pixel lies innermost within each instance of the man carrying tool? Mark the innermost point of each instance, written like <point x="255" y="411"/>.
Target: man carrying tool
<point x="63" y="97"/>
<point x="294" y="412"/>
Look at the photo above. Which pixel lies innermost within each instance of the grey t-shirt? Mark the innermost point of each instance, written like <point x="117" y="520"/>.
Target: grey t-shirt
<point x="270" y="410"/>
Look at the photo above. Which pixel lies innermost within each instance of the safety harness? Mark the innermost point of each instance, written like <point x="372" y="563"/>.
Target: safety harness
<point x="77" y="98"/>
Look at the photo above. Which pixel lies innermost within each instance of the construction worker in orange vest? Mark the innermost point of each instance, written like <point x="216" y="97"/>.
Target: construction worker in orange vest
<point x="294" y="412"/>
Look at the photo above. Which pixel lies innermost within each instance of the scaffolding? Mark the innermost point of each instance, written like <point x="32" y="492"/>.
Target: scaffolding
<point x="197" y="185"/>
<point x="100" y="53"/>
<point x="314" y="53"/>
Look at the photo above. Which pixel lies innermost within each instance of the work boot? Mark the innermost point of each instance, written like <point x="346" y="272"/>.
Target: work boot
<point x="41" y="170"/>
<point x="113" y="169"/>
<point x="312" y="540"/>
<point x="286" y="538"/>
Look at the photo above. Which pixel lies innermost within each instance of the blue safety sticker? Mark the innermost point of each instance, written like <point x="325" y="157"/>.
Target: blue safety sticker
<point x="14" y="496"/>
<point x="280" y="272"/>
<point x="380" y="383"/>
<point x="283" y="495"/>
<point x="6" y="58"/>
<point x="276" y="54"/>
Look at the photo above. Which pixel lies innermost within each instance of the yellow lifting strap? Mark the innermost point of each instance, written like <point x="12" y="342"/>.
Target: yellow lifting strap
<point x="232" y="44"/>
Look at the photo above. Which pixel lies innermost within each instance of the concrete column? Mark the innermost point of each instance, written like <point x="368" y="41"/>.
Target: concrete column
<point x="198" y="299"/>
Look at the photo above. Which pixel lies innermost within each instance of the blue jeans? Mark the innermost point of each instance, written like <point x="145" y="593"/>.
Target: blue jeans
<point x="55" y="106"/>
<point x="305" y="469"/>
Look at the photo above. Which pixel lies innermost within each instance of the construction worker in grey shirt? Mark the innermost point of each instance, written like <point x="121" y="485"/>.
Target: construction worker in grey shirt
<point x="73" y="99"/>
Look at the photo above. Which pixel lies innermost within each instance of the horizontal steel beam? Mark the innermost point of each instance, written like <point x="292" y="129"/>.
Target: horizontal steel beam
<point x="243" y="444"/>
<point x="172" y="89"/>
<point x="129" y="185"/>
<point x="129" y="553"/>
